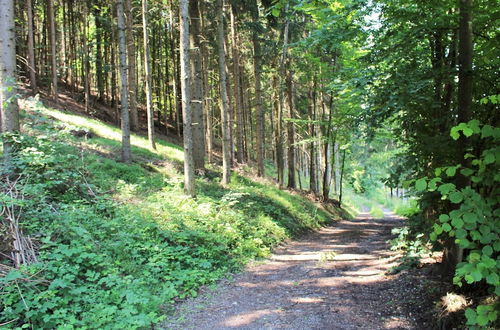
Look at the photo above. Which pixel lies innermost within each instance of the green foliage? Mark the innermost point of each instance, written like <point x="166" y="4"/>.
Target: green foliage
<point x="474" y="221"/>
<point x="413" y="248"/>
<point x="116" y="241"/>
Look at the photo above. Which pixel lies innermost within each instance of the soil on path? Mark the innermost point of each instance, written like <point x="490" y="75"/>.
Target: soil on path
<point x="334" y="278"/>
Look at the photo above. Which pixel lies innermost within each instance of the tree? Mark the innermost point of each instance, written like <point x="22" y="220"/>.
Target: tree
<point x="125" y="124"/>
<point x="198" y="125"/>
<point x="9" y="110"/>
<point x="132" y="65"/>
<point x="31" y="47"/>
<point x="189" y="182"/>
<point x="52" y="29"/>
<point x="226" y="140"/>
<point x="258" y="90"/>
<point x="149" y="97"/>
<point x="236" y="84"/>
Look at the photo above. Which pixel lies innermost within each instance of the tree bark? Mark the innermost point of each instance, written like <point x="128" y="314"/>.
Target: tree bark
<point x="290" y="127"/>
<point x="8" y="103"/>
<point x="132" y="65"/>
<point x="98" y="53"/>
<point x="237" y="97"/>
<point x="189" y="182"/>
<point x="258" y="92"/>
<point x="226" y="139"/>
<point x="147" y="70"/>
<point x="52" y="29"/>
<point x="31" y="48"/>
<point x="125" y="124"/>
<point x="86" y="58"/>
<point x="207" y="89"/>
<point x="453" y="254"/>
<point x="196" y="88"/>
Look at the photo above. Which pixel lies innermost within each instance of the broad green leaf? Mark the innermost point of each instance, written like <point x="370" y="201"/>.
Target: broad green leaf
<point x="456" y="197"/>
<point x="444" y="217"/>
<point x="470" y="217"/>
<point x="488" y="250"/>
<point x="446" y="227"/>
<point x="492" y="279"/>
<point x="446" y="188"/>
<point x="421" y="184"/>
<point x="457" y="222"/>
<point x="451" y="171"/>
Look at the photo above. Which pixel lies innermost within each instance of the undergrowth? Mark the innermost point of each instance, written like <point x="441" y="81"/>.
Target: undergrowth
<point x="117" y="241"/>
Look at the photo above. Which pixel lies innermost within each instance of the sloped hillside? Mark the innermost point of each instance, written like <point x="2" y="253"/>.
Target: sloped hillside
<point x="115" y="242"/>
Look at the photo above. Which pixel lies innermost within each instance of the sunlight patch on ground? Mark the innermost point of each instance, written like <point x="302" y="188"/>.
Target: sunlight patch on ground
<point x="113" y="133"/>
<point x="248" y="318"/>
<point x="307" y="300"/>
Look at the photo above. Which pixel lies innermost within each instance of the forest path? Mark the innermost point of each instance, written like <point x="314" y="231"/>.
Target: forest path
<point x="330" y="279"/>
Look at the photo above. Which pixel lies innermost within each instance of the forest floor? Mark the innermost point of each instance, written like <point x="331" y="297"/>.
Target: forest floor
<point x="334" y="278"/>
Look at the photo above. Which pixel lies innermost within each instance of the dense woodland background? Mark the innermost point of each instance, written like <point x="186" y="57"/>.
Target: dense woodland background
<point x="373" y="99"/>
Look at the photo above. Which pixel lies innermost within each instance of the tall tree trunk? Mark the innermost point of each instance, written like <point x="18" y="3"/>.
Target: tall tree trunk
<point x="465" y="62"/>
<point x="31" y="47"/>
<point x="290" y="127"/>
<point x="341" y="177"/>
<point x="132" y="65"/>
<point x="336" y="153"/>
<point x="86" y="58"/>
<point x="8" y="103"/>
<point x="258" y="92"/>
<point x="226" y="139"/>
<point x="283" y="74"/>
<point x="147" y="70"/>
<point x="237" y="97"/>
<point x="278" y="136"/>
<point x="189" y="183"/>
<point x="175" y="70"/>
<point x="313" y="179"/>
<point x="98" y="53"/>
<point x="209" y="134"/>
<point x="125" y="124"/>
<point x="52" y="29"/>
<point x="327" y="175"/>
<point x="453" y="254"/>
<point x="196" y="88"/>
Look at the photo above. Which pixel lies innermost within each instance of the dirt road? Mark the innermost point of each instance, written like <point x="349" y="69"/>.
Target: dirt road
<point x="331" y="279"/>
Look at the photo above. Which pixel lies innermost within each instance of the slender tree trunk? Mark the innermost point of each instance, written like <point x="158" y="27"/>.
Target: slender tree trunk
<point x="341" y="177"/>
<point x="86" y="58"/>
<point x="31" y="48"/>
<point x="258" y="93"/>
<point x="189" y="183"/>
<point x="336" y="152"/>
<point x="237" y="98"/>
<point x="290" y="128"/>
<point x="98" y="54"/>
<point x="52" y="27"/>
<point x="226" y="140"/>
<point x="280" y="160"/>
<point x="132" y="65"/>
<point x="175" y="70"/>
<point x="453" y="254"/>
<point x="209" y="134"/>
<point x="149" y="92"/>
<point x="327" y="175"/>
<point x="125" y="124"/>
<point x="313" y="183"/>
<point x="196" y="88"/>
<point x="8" y="103"/>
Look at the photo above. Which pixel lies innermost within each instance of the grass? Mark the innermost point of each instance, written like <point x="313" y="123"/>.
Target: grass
<point x="117" y="241"/>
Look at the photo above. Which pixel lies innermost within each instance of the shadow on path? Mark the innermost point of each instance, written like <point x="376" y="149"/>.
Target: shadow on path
<point x="331" y="279"/>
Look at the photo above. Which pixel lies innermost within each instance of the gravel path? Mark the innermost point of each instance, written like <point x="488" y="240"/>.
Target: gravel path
<point x="331" y="279"/>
